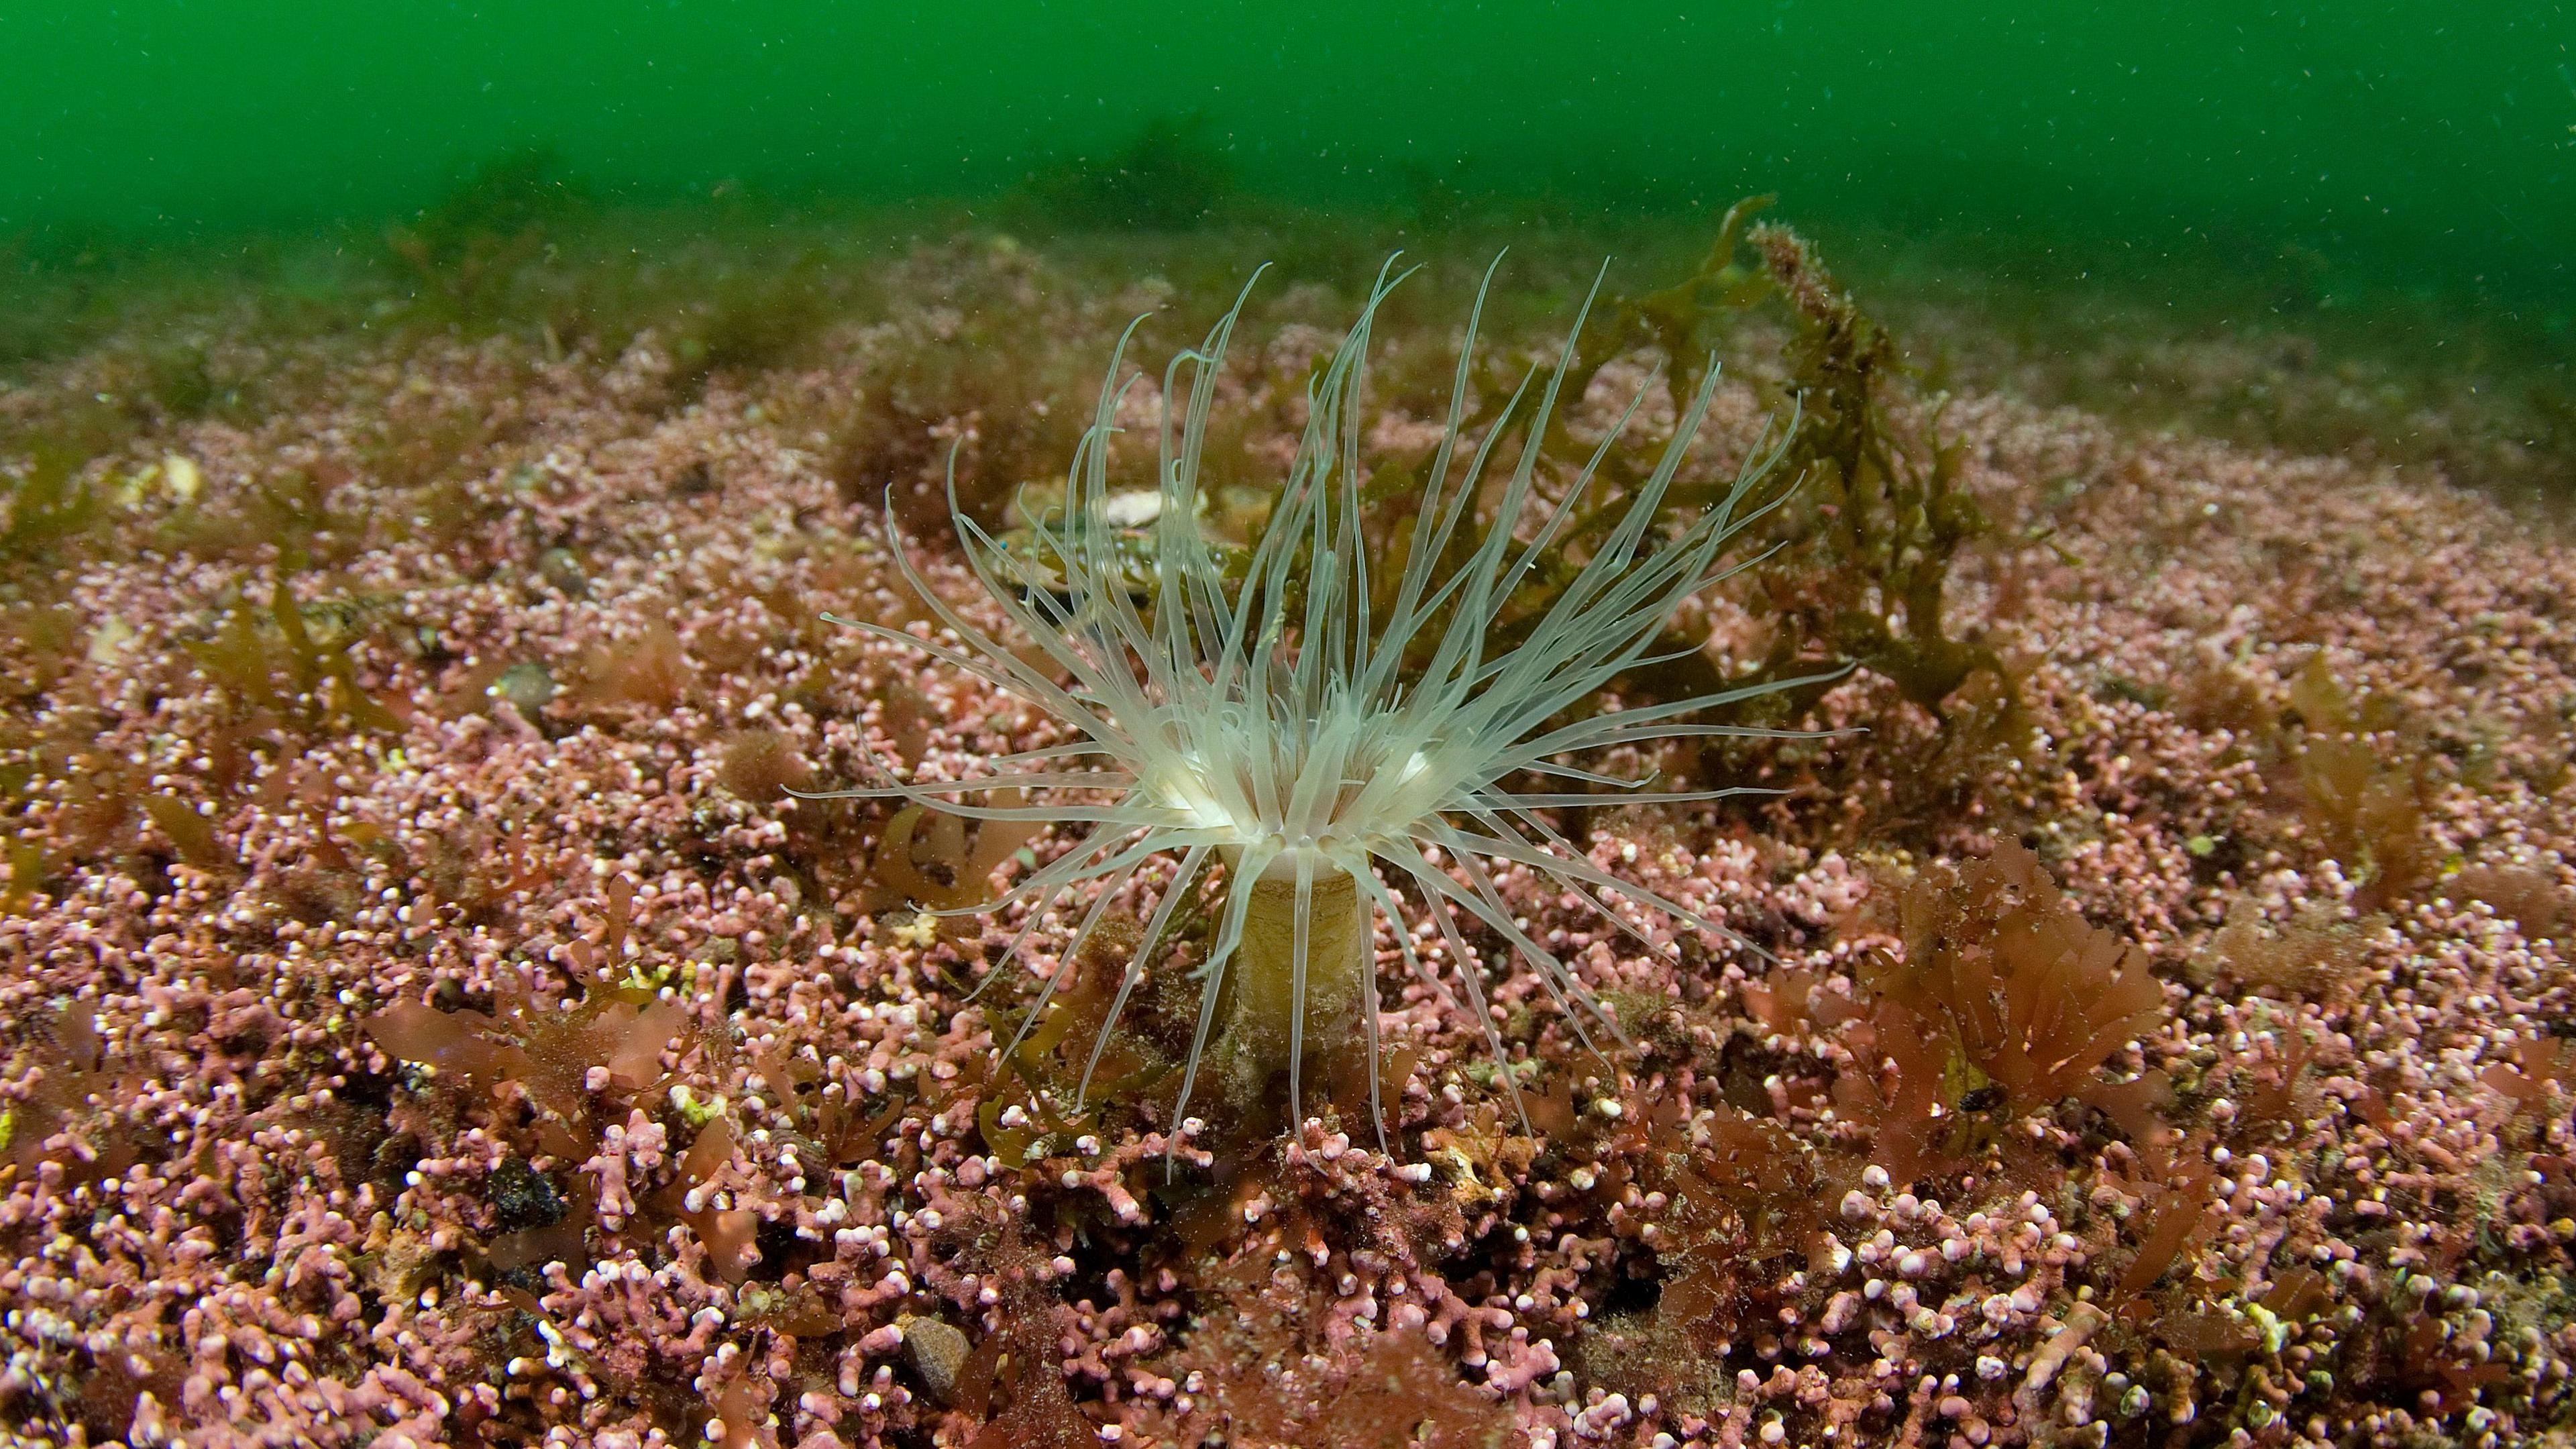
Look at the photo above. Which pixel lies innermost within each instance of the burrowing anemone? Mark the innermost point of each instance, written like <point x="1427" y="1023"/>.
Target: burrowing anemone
<point x="1333" y="744"/>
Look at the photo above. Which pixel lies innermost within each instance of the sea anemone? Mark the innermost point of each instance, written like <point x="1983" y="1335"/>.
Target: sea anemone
<point x="1332" y="744"/>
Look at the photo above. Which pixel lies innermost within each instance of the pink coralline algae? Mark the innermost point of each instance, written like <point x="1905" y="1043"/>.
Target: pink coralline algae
<point x="427" y="1020"/>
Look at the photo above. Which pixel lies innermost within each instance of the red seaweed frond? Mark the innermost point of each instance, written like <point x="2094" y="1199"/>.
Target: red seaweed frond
<point x="2537" y="1064"/>
<point x="2006" y="1000"/>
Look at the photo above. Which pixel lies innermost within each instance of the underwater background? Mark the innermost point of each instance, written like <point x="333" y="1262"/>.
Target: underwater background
<point x="2331" y="148"/>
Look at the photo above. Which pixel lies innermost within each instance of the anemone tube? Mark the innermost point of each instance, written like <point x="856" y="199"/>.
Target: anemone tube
<point x="1277" y="729"/>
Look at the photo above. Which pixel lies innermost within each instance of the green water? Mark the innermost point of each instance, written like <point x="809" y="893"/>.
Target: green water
<point x="2420" y="146"/>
